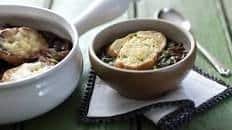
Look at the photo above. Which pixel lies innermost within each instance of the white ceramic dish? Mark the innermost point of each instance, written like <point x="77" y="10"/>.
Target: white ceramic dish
<point x="28" y="98"/>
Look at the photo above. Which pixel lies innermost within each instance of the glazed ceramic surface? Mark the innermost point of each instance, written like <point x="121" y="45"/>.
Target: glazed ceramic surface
<point x="28" y="98"/>
<point x="144" y="84"/>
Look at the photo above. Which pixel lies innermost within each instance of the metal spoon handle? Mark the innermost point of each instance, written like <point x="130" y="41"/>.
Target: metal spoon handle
<point x="217" y="65"/>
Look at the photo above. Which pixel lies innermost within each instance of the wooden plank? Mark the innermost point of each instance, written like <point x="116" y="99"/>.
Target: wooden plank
<point x="208" y="27"/>
<point x="65" y="117"/>
<point x="227" y="19"/>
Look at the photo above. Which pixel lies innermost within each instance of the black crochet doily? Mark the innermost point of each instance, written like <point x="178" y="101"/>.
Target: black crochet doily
<point x="172" y="121"/>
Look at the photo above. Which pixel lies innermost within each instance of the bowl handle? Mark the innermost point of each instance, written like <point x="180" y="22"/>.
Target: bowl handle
<point x="99" y="12"/>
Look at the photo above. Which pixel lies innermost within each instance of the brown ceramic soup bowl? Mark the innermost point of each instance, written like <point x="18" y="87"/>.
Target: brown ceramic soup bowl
<point x="142" y="84"/>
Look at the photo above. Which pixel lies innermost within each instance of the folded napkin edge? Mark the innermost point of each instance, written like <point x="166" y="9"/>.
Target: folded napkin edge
<point x="185" y="114"/>
<point x="186" y="105"/>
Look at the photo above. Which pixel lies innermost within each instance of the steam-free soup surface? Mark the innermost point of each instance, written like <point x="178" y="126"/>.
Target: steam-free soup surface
<point x="25" y="51"/>
<point x="143" y="50"/>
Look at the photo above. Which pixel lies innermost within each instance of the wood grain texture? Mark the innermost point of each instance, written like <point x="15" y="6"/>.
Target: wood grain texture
<point x="208" y="26"/>
<point x="227" y="20"/>
<point x="65" y="116"/>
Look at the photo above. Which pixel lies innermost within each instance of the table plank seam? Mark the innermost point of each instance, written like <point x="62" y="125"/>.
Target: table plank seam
<point x="135" y="9"/>
<point x="50" y="4"/>
<point x="225" y="23"/>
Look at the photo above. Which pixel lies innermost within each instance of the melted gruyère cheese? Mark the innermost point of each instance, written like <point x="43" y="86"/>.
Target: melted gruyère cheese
<point x="22" y="41"/>
<point x="25" y="70"/>
<point x="141" y="48"/>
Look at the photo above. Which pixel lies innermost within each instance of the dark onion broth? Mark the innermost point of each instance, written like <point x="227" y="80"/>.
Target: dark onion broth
<point x="172" y="53"/>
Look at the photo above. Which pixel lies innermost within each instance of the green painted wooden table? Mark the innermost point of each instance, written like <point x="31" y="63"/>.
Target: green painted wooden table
<point x="212" y="26"/>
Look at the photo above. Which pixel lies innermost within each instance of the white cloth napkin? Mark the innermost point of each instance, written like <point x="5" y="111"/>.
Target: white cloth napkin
<point x="106" y="102"/>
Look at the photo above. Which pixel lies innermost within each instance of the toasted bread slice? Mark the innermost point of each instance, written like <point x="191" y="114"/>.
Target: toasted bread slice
<point x="115" y="47"/>
<point x="141" y="50"/>
<point x="25" y="70"/>
<point x="20" y="43"/>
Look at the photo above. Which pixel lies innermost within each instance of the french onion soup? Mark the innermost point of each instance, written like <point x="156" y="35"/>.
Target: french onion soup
<point x="25" y="51"/>
<point x="143" y="50"/>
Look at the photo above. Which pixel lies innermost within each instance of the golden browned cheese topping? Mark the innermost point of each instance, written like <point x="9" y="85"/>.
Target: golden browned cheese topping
<point x="26" y="70"/>
<point x="139" y="50"/>
<point x="26" y="52"/>
<point x="115" y="47"/>
<point x="22" y="41"/>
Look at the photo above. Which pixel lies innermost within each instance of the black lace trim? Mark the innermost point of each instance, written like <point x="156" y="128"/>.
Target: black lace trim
<point x="176" y="119"/>
<point x="172" y="121"/>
